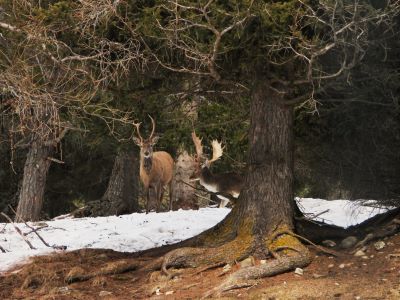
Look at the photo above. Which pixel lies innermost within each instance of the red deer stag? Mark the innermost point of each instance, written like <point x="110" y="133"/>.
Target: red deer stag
<point x="156" y="168"/>
<point x="228" y="184"/>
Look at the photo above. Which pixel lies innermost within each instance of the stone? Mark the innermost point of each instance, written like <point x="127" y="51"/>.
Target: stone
<point x="226" y="268"/>
<point x="359" y="253"/>
<point x="248" y="262"/>
<point x="348" y="242"/>
<point x="169" y="293"/>
<point x="299" y="271"/>
<point x="329" y="243"/>
<point x="330" y="266"/>
<point x="341" y="266"/>
<point x="104" y="293"/>
<point x="263" y="262"/>
<point x="379" y="245"/>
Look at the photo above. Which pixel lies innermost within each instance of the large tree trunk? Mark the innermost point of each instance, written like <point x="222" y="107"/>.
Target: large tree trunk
<point x="34" y="182"/>
<point x="261" y="224"/>
<point x="183" y="195"/>
<point x="121" y="196"/>
<point x="268" y="193"/>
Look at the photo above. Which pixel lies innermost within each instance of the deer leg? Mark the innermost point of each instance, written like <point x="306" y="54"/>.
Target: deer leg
<point x="170" y="195"/>
<point x="158" y="197"/>
<point x="161" y="194"/>
<point x="224" y="201"/>
<point x="147" y="193"/>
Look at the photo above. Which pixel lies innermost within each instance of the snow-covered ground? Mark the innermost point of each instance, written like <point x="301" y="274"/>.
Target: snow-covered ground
<point x="141" y="231"/>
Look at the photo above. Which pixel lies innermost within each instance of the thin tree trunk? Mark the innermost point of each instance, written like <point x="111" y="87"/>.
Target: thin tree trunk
<point x="123" y="187"/>
<point x="34" y="182"/>
<point x="183" y="195"/>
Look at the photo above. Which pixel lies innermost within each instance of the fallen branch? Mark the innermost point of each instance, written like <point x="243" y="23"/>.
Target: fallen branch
<point x="43" y="241"/>
<point x="2" y="230"/>
<point x="314" y="216"/>
<point x="38" y="235"/>
<point x="56" y="160"/>
<point x="2" y="249"/>
<point x="18" y="230"/>
<point x="230" y="197"/>
<point x="34" y="229"/>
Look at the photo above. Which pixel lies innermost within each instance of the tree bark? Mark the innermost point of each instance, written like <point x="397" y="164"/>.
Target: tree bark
<point x="123" y="187"/>
<point x="34" y="182"/>
<point x="268" y="194"/>
<point x="183" y="195"/>
<point x="121" y="196"/>
<point x="262" y="223"/>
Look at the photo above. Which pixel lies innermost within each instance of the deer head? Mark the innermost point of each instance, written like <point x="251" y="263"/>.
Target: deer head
<point x="201" y="162"/>
<point x="146" y="145"/>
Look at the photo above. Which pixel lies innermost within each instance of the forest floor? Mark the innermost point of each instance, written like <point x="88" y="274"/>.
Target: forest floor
<point x="375" y="275"/>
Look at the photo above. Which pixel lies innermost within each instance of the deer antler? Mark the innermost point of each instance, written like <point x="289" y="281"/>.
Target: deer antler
<point x="197" y="145"/>
<point x="137" y="125"/>
<point x="153" y="127"/>
<point x="217" y="151"/>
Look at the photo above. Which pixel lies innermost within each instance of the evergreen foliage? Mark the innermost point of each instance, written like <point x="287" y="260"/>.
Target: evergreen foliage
<point x="348" y="149"/>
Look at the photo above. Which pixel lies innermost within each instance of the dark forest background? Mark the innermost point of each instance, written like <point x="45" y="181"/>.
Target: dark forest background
<point x="346" y="146"/>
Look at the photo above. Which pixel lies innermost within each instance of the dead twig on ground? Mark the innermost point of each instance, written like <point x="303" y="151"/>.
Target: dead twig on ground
<point x="18" y="230"/>
<point x="2" y="249"/>
<point x="38" y="235"/>
<point x="2" y="230"/>
<point x="34" y="230"/>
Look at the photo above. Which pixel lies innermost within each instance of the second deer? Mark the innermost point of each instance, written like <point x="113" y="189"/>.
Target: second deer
<point x="228" y="184"/>
<point x="156" y="168"/>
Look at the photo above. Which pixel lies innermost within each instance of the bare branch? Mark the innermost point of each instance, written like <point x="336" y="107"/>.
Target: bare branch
<point x="18" y="230"/>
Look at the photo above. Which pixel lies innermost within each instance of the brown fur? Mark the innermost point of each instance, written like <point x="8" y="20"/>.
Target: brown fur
<point x="156" y="168"/>
<point x="159" y="176"/>
<point x="161" y="170"/>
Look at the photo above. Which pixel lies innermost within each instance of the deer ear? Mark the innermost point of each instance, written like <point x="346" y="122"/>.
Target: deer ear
<point x="154" y="140"/>
<point x="137" y="141"/>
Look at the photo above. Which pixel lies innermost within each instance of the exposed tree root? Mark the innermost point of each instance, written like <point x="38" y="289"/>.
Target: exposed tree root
<point x="320" y="248"/>
<point x="78" y="274"/>
<point x="184" y="257"/>
<point x="234" y="250"/>
<point x="246" y="277"/>
<point x="282" y="244"/>
<point x="293" y="254"/>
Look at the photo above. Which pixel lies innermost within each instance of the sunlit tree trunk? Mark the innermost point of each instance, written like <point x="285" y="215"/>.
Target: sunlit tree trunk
<point x="183" y="195"/>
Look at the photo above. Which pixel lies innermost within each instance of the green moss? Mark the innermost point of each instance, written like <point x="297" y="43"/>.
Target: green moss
<point x="281" y="240"/>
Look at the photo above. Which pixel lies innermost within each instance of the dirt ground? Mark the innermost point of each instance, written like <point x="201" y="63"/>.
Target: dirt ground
<point x="375" y="275"/>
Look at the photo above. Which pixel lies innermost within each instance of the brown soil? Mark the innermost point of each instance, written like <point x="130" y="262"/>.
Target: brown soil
<point x="374" y="276"/>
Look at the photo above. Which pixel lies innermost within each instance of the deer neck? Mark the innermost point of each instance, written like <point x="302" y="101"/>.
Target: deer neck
<point x="207" y="178"/>
<point x="147" y="164"/>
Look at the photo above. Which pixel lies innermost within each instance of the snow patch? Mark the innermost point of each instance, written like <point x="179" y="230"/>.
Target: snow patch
<point x="139" y="231"/>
